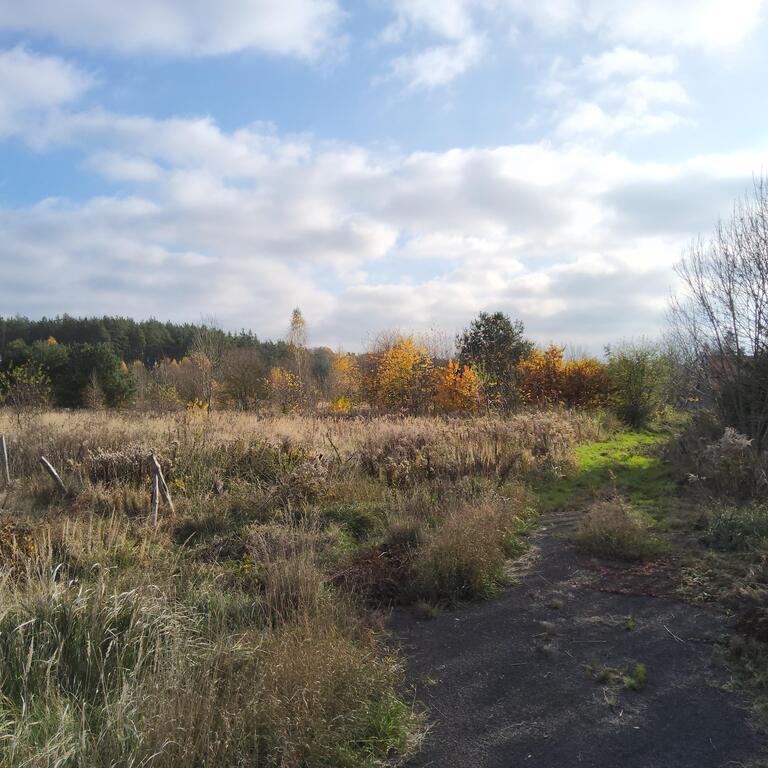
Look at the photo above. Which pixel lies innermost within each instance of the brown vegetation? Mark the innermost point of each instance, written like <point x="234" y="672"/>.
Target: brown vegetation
<point x="236" y="630"/>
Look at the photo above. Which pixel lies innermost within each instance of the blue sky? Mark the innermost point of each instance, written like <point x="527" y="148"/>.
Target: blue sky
<point x="382" y="164"/>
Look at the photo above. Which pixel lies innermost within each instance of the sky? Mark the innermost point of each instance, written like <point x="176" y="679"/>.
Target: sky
<point x="381" y="164"/>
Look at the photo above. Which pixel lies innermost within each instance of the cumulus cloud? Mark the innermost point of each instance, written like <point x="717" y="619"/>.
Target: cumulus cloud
<point x="709" y="25"/>
<point x="302" y="28"/>
<point x="32" y="85"/>
<point x="249" y="223"/>
<point x="621" y="91"/>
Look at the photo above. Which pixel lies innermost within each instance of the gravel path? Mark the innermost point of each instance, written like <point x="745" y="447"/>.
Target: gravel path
<point x="508" y="683"/>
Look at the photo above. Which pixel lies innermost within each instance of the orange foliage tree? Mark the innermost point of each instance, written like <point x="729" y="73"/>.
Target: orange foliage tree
<point x="540" y="376"/>
<point x="457" y="389"/>
<point x="547" y="379"/>
<point x="586" y="383"/>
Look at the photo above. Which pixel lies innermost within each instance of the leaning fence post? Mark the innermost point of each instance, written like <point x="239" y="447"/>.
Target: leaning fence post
<point x="53" y="473"/>
<point x="163" y="486"/>
<point x="4" y="459"/>
<point x="155" y="496"/>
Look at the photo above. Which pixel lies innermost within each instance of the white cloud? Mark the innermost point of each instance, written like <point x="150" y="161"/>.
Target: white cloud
<point x="622" y="61"/>
<point x="302" y="28"/>
<point x="698" y="23"/>
<point x="709" y="24"/>
<point x="621" y="91"/>
<point x="438" y="65"/>
<point x="248" y="224"/>
<point x="32" y="85"/>
<point x="449" y="19"/>
<point x="461" y="25"/>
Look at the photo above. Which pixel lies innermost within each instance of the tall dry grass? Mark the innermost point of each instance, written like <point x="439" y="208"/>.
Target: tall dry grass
<point x="235" y="631"/>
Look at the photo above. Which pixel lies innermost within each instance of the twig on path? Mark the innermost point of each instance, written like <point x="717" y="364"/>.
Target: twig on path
<point x="679" y="639"/>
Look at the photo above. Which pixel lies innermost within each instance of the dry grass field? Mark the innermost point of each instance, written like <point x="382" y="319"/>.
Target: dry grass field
<point x="243" y="628"/>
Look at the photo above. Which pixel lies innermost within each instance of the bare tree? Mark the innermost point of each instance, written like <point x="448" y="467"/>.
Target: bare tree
<point x="721" y="320"/>
<point x="244" y="377"/>
<point x="297" y="344"/>
<point x="208" y="346"/>
<point x="26" y="390"/>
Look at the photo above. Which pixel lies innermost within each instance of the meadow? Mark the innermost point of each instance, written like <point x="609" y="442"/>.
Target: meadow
<point x="247" y="626"/>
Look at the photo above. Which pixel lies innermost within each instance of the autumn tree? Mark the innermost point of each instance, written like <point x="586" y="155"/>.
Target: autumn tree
<point x="403" y="379"/>
<point x="586" y="383"/>
<point x="494" y="345"/>
<point x="345" y="382"/>
<point x="285" y="390"/>
<point x="243" y="378"/>
<point x="546" y="378"/>
<point x="541" y="376"/>
<point x="457" y="389"/>
<point x="207" y="353"/>
<point x="297" y="347"/>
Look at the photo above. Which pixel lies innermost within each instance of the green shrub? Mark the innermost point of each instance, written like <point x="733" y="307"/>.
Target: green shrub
<point x="637" y="373"/>
<point x="738" y="527"/>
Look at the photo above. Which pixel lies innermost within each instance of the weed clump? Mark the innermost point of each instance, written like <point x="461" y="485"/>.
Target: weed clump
<point x="738" y="528"/>
<point x="612" y="530"/>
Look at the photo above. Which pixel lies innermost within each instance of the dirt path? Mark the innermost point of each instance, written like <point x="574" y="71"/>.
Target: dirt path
<point x="507" y="682"/>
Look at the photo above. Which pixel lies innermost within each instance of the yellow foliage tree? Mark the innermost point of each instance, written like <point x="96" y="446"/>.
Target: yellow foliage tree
<point x="457" y="389"/>
<point x="345" y="382"/>
<point x="284" y="389"/>
<point x="403" y="379"/>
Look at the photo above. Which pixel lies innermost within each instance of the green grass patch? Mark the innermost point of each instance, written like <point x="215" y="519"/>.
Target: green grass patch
<point x="629" y="464"/>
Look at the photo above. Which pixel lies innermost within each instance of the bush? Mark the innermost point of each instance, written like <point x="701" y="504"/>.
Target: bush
<point x="465" y="557"/>
<point x="547" y="379"/>
<point x="637" y="374"/>
<point x="738" y="527"/>
<point x="612" y="530"/>
<point x="732" y="466"/>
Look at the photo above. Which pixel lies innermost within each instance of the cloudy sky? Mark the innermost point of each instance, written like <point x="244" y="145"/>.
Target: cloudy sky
<point x="379" y="163"/>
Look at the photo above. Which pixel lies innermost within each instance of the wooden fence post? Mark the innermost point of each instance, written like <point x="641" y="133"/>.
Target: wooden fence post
<point x="158" y="472"/>
<point x="155" y="496"/>
<point x="53" y="473"/>
<point x="4" y="459"/>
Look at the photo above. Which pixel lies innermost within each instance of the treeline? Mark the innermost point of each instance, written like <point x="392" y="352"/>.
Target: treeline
<point x="86" y="360"/>
<point x="149" y="341"/>
<point x="117" y="362"/>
